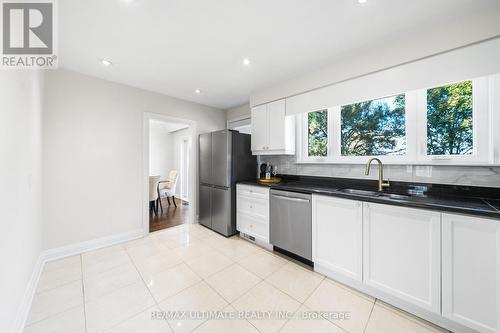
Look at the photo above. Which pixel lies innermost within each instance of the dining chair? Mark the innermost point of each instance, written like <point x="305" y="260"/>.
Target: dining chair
<point x="153" y="193"/>
<point x="166" y="188"/>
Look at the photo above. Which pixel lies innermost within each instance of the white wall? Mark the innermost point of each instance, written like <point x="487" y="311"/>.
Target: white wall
<point x="238" y="112"/>
<point x="160" y="152"/>
<point x="177" y="138"/>
<point x="426" y="42"/>
<point x="93" y="154"/>
<point x="20" y="189"/>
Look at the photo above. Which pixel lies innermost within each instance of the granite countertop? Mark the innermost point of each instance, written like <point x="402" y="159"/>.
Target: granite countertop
<point x="478" y="201"/>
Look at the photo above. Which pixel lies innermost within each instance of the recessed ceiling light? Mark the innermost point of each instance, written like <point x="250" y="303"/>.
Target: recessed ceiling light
<point x="197" y="91"/>
<point x="246" y="62"/>
<point x="361" y="1"/>
<point x="106" y="63"/>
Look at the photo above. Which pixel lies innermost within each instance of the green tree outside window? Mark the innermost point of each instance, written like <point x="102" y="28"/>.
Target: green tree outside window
<point x="449" y="120"/>
<point x="317" y="127"/>
<point x="373" y="128"/>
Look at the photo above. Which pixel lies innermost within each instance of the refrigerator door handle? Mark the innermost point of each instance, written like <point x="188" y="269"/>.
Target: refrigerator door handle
<point x="220" y="187"/>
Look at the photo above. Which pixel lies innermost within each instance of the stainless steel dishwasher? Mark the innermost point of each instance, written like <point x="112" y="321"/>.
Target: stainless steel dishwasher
<point x="290" y="223"/>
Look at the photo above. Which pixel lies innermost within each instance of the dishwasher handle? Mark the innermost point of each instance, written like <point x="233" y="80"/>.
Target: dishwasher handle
<point x="290" y="198"/>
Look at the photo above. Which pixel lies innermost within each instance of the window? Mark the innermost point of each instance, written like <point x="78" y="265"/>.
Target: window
<point x="317" y="133"/>
<point x="374" y="128"/>
<point x="449" y="120"/>
<point x="449" y="124"/>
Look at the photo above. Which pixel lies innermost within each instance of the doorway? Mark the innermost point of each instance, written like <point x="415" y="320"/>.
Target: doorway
<point x="169" y="164"/>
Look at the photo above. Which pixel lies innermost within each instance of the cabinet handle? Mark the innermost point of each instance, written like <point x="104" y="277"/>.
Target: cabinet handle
<point x="251" y="206"/>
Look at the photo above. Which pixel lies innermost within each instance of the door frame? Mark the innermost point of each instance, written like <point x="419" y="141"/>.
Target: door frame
<point x="193" y="169"/>
<point x="186" y="146"/>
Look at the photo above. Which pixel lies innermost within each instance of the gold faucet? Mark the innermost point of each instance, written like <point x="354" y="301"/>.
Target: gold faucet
<point x="381" y="182"/>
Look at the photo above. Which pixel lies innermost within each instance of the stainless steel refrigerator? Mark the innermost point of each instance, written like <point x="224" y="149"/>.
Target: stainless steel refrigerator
<point x="225" y="157"/>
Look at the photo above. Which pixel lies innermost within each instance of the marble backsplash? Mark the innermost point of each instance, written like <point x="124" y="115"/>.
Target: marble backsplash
<point x="454" y="175"/>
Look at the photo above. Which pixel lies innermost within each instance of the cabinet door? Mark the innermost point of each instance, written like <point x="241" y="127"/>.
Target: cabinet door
<point x="221" y="211"/>
<point x="402" y="253"/>
<point x="205" y="213"/>
<point x="471" y="272"/>
<point x="260" y="128"/>
<point x="205" y="158"/>
<point x="337" y="235"/>
<point x="276" y="111"/>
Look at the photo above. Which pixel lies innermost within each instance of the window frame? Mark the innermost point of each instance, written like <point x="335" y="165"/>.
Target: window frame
<point x="416" y="131"/>
<point x="480" y="127"/>
<point x="303" y="138"/>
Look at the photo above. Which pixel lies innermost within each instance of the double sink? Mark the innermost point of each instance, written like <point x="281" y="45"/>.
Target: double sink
<point x="367" y="193"/>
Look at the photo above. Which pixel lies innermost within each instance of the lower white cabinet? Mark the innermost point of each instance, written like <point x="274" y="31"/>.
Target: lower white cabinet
<point x="402" y="253"/>
<point x="471" y="271"/>
<point x="252" y="211"/>
<point x="337" y="235"/>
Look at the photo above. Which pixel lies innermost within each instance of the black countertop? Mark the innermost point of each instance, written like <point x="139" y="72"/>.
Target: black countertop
<point x="471" y="200"/>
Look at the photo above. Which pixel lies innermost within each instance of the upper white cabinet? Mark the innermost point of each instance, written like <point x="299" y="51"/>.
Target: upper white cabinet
<point x="273" y="132"/>
<point x="402" y="253"/>
<point x="337" y="226"/>
<point x="471" y="271"/>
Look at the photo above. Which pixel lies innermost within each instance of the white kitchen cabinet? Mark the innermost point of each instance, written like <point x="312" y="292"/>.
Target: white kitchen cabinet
<point x="471" y="271"/>
<point x="252" y="211"/>
<point x="337" y="229"/>
<point x="402" y="253"/>
<point x="273" y="132"/>
<point x="260" y="130"/>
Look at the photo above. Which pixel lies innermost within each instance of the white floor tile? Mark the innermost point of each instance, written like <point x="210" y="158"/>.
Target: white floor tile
<point x="146" y="249"/>
<point x="232" y="282"/>
<point x="157" y="263"/>
<point x="104" y="259"/>
<point x="346" y="309"/>
<point x="226" y="325"/>
<point x="72" y="320"/>
<point x="60" y="272"/>
<point x="114" y="308"/>
<point x="195" y="299"/>
<point x="193" y="251"/>
<point x="172" y="281"/>
<point x="209" y="264"/>
<point x="99" y="284"/>
<point x="54" y="301"/>
<point x="385" y="319"/>
<point x="262" y="263"/>
<point x="143" y="323"/>
<point x="266" y="298"/>
<point x="308" y="321"/>
<point x="295" y="281"/>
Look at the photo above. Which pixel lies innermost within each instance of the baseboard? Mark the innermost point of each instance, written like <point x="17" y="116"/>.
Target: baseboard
<point x="91" y="245"/>
<point x="29" y="292"/>
<point x="59" y="253"/>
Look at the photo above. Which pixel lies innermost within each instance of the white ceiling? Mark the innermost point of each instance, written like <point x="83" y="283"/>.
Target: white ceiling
<point x="176" y="46"/>
<point x="166" y="126"/>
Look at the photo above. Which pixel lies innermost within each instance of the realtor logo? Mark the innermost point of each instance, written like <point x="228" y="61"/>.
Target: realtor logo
<point x="28" y="34"/>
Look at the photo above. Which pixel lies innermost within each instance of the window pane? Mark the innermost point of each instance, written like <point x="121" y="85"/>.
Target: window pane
<point x="317" y="129"/>
<point x="372" y="128"/>
<point x="449" y="120"/>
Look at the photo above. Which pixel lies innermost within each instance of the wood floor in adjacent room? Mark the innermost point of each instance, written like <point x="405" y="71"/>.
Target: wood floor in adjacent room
<point x="171" y="216"/>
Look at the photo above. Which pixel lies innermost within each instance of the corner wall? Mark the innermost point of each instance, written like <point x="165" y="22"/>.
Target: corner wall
<point x="20" y="190"/>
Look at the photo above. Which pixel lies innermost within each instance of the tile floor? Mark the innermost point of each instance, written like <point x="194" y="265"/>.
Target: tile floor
<point x="202" y="276"/>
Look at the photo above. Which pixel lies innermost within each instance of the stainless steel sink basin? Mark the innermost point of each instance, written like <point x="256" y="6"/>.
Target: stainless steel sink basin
<point x="375" y="194"/>
<point x="395" y="196"/>
<point x="360" y="192"/>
